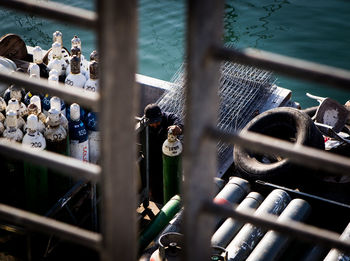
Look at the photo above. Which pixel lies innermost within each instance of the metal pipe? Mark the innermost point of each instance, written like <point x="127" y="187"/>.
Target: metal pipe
<point x="295" y="229"/>
<point x="233" y="192"/>
<point x="147" y="163"/>
<point x="72" y="167"/>
<point x="226" y="232"/>
<point x="86" y="99"/>
<point x="285" y="65"/>
<point x="247" y="238"/>
<point x="160" y="221"/>
<point x="313" y="158"/>
<point x="336" y="255"/>
<point x="66" y="198"/>
<point x="54" y="10"/>
<point x="273" y="243"/>
<point x="49" y="226"/>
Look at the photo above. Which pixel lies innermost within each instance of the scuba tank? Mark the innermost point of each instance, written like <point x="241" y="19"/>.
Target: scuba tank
<point x="12" y="182"/>
<point x="92" y="83"/>
<point x="35" y="177"/>
<point x="94" y="137"/>
<point x="75" y="78"/>
<point x="58" y="104"/>
<point x="57" y="61"/>
<point x="79" y="143"/>
<point x="172" y="171"/>
<point x="56" y="141"/>
<point x="13" y="105"/>
<point x="57" y="37"/>
<point x="38" y="59"/>
<point x="33" y="110"/>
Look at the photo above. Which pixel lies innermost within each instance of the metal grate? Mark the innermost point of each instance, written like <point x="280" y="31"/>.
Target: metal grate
<point x="119" y="238"/>
<point x="243" y="90"/>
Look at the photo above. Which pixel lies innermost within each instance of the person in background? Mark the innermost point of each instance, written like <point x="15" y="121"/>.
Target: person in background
<point x="160" y="123"/>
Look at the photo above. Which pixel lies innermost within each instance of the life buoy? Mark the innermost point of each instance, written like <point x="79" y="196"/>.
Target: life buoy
<point x="284" y="123"/>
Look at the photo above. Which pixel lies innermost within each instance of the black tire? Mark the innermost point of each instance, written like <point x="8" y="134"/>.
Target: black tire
<point x="284" y="123"/>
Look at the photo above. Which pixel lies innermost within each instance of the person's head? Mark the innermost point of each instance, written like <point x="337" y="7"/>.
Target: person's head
<point x="154" y="115"/>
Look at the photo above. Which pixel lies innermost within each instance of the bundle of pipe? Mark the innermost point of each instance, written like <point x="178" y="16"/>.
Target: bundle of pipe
<point x="273" y="243"/>
<point x="243" y="91"/>
<point x="227" y="231"/>
<point x="336" y="255"/>
<point x="247" y="238"/>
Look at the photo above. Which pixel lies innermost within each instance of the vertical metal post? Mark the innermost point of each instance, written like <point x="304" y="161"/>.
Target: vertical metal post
<point x="204" y="30"/>
<point x="147" y="160"/>
<point x="117" y="36"/>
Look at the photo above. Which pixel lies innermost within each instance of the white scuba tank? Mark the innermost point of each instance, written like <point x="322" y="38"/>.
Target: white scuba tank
<point x="75" y="78"/>
<point x="16" y="93"/>
<point x="34" y="69"/>
<point x="33" y="137"/>
<point x="12" y="132"/>
<point x="33" y="110"/>
<point x="57" y="37"/>
<point x="38" y="59"/>
<point x="57" y="62"/>
<point x="79" y="142"/>
<point x="55" y="103"/>
<point x="14" y="106"/>
<point x="92" y="83"/>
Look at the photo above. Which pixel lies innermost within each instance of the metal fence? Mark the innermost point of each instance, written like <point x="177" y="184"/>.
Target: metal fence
<point x="116" y="27"/>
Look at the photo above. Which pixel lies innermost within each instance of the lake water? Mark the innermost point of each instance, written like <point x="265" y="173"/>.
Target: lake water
<point x="318" y="31"/>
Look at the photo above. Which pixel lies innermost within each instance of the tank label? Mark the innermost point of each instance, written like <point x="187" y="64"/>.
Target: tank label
<point x="80" y="150"/>
<point x="94" y="146"/>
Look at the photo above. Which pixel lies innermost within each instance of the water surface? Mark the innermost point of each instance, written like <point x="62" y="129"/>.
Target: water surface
<point x="318" y="31"/>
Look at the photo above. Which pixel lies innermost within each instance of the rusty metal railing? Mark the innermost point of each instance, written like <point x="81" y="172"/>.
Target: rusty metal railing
<point x="204" y="52"/>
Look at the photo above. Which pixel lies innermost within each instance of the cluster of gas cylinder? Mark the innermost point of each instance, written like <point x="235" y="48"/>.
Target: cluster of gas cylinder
<point x="44" y="122"/>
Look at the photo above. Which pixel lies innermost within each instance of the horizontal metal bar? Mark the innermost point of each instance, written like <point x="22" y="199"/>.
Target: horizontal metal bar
<point x="286" y="65"/>
<point x="70" y="94"/>
<point x="37" y="223"/>
<point x="67" y="165"/>
<point x="291" y="228"/>
<point x="302" y="155"/>
<point x="56" y="11"/>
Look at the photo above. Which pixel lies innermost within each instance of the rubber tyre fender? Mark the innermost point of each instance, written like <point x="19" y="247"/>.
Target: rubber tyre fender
<point x="285" y="123"/>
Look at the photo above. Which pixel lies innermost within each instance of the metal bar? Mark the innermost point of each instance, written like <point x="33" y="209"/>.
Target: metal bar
<point x="204" y="23"/>
<point x="117" y="37"/>
<point x="147" y="161"/>
<point x="54" y="10"/>
<point x="310" y="157"/>
<point x="291" y="228"/>
<point x="70" y="166"/>
<point x="286" y="65"/>
<point x="49" y="226"/>
<point x="85" y="99"/>
<point x="66" y="198"/>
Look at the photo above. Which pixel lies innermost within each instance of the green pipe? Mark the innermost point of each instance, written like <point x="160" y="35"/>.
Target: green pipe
<point x="160" y="221"/>
<point x="172" y="170"/>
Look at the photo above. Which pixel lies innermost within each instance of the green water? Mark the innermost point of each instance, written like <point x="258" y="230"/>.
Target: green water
<point x="318" y="31"/>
